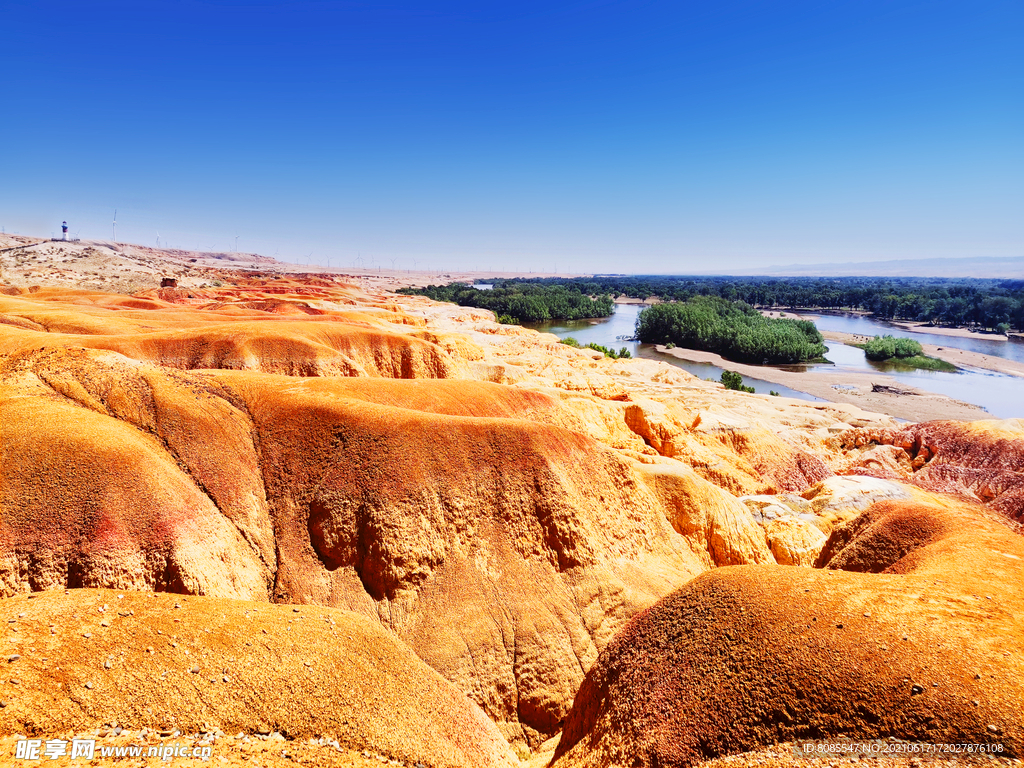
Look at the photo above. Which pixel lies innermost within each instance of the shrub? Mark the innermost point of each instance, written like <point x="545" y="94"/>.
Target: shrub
<point x="733" y="380"/>
<point x="607" y="352"/>
<point x="887" y="347"/>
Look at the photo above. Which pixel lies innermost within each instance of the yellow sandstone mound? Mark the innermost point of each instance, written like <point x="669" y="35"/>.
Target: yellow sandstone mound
<point x="504" y="548"/>
<point x="336" y="344"/>
<point x="172" y="663"/>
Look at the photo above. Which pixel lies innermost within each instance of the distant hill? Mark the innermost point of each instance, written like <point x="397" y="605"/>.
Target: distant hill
<point x="1009" y="267"/>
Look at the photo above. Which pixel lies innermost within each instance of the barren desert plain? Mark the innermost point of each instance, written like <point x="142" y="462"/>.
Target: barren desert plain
<point x="296" y="518"/>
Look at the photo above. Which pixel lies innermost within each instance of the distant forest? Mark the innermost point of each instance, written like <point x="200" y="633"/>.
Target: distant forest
<point x="522" y="302"/>
<point x="961" y="302"/>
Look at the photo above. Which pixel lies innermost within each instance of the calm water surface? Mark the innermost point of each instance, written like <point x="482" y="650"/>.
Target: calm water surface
<point x="1002" y="396"/>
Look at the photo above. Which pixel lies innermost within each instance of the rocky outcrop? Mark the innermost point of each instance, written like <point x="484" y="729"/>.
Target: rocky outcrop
<point x="793" y="541"/>
<point x="982" y="460"/>
<point x="714" y="522"/>
<point x="505" y="550"/>
<point x="112" y="476"/>
<point x="783" y="466"/>
<point x="744" y="459"/>
<point x="922" y="642"/>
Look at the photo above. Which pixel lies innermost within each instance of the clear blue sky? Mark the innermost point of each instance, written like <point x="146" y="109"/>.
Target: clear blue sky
<point x="588" y="136"/>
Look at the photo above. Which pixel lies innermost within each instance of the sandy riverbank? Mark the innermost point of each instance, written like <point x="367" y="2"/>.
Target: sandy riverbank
<point x="939" y="330"/>
<point x="902" y="402"/>
<point x="776" y="314"/>
<point x="642" y="302"/>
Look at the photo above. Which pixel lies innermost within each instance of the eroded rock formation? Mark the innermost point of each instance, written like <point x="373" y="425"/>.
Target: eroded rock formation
<point x="983" y="460"/>
<point x="414" y="501"/>
<point x="912" y="631"/>
<point x="500" y="503"/>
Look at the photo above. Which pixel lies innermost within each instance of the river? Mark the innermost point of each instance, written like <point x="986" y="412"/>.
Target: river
<point x="997" y="346"/>
<point x="607" y="331"/>
<point x="1000" y="395"/>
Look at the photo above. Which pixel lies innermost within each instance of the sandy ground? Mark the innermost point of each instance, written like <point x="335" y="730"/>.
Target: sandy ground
<point x="777" y="314"/>
<point x="628" y="300"/>
<point x="853" y="388"/>
<point x="938" y="330"/>
<point x="789" y="755"/>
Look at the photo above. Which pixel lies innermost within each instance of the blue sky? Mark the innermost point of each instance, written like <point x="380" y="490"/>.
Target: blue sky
<point x="582" y="136"/>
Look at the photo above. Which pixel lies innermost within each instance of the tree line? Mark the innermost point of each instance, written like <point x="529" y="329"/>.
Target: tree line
<point x="959" y="302"/>
<point x="732" y="329"/>
<point x="520" y="302"/>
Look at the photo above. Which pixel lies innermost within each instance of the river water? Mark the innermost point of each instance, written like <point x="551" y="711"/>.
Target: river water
<point x="997" y="346"/>
<point x="609" y="332"/>
<point x="1000" y="395"/>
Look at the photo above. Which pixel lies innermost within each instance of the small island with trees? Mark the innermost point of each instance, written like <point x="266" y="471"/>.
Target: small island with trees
<point x="734" y="330"/>
<point x="902" y="352"/>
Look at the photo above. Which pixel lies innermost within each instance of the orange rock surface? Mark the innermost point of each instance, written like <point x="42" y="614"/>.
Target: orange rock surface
<point x="912" y="630"/>
<point x="497" y="503"/>
<point x="166" y="662"/>
<point x="981" y="460"/>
